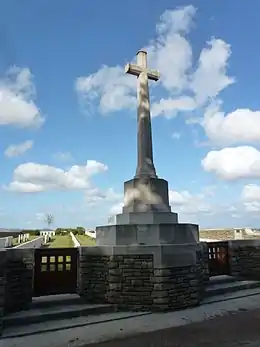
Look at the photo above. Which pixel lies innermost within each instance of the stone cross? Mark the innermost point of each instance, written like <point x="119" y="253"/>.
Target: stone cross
<point x="145" y="165"/>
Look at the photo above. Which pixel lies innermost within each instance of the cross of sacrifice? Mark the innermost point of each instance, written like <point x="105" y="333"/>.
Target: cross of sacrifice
<point x="145" y="165"/>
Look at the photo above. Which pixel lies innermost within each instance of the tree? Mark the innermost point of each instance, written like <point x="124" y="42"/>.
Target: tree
<point x="49" y="219"/>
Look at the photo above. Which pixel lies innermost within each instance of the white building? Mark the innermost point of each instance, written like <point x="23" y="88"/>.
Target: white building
<point x="49" y="233"/>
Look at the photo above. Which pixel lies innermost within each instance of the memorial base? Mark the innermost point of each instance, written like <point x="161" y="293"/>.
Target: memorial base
<point x="154" y="278"/>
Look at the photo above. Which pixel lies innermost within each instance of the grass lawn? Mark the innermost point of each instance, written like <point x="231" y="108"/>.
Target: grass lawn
<point x="61" y="241"/>
<point x="85" y="240"/>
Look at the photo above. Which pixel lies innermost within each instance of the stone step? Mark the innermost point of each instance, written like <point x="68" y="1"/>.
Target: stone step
<point x="54" y="312"/>
<point x="222" y="279"/>
<point x="57" y="300"/>
<point x="245" y="293"/>
<point x="219" y="288"/>
<point x="63" y="324"/>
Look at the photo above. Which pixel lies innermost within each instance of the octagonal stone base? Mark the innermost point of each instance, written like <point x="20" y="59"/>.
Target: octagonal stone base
<point x="147" y="234"/>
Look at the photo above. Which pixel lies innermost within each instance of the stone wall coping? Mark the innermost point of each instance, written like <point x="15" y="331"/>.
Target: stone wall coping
<point x="74" y="239"/>
<point x="133" y="249"/>
<point x="136" y="225"/>
<point x="33" y="242"/>
<point x="243" y="243"/>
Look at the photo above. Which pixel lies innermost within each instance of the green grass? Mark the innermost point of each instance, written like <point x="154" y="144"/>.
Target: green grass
<point x="85" y="240"/>
<point x="61" y="241"/>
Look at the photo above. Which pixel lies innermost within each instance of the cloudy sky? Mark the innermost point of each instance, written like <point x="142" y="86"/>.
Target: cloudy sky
<point x="68" y="111"/>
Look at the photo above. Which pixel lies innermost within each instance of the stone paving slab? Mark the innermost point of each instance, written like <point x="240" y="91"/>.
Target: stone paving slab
<point x="205" y="319"/>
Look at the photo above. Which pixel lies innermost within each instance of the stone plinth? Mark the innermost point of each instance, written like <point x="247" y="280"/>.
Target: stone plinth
<point x="147" y="234"/>
<point x="146" y="195"/>
<point x="147" y="218"/>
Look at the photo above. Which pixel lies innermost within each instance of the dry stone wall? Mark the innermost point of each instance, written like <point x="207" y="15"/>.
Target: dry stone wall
<point x="245" y="259"/>
<point x="93" y="277"/>
<point x="132" y="282"/>
<point x="18" y="274"/>
<point x="204" y="261"/>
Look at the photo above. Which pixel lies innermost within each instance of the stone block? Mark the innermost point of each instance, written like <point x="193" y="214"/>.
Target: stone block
<point x="144" y="195"/>
<point x="141" y="218"/>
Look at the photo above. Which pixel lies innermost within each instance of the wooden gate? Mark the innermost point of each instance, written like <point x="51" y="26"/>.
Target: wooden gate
<point x="218" y="253"/>
<point x="55" y="271"/>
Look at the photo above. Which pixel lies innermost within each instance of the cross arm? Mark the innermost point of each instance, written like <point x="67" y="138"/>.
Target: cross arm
<point x="136" y="70"/>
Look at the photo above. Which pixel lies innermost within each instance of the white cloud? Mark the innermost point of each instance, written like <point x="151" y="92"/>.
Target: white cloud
<point x="17" y="94"/>
<point x="95" y="196"/>
<point x="238" y="127"/>
<point x="253" y="206"/>
<point x="210" y="78"/>
<point x="170" y="107"/>
<point x="19" y="149"/>
<point x="116" y="209"/>
<point x="233" y="163"/>
<point x="251" y="192"/>
<point x="171" y="53"/>
<point x="186" y="203"/>
<point x="114" y="89"/>
<point x="250" y="198"/>
<point x="32" y="177"/>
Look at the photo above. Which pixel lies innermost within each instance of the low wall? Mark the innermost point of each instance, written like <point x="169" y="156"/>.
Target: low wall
<point x="74" y="240"/>
<point x="245" y="259"/>
<point x="35" y="243"/>
<point x="89" y="234"/>
<point x="18" y="279"/>
<point x="6" y="242"/>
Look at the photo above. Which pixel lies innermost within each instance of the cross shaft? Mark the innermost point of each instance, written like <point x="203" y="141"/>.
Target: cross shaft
<point x="145" y="165"/>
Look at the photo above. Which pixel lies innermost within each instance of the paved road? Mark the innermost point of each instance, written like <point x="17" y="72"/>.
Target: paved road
<point x="233" y="330"/>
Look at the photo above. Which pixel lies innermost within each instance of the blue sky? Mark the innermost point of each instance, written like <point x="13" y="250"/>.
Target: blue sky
<point x="68" y="111"/>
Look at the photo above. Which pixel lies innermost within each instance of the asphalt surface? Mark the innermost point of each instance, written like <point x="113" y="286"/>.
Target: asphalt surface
<point x="234" y="329"/>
